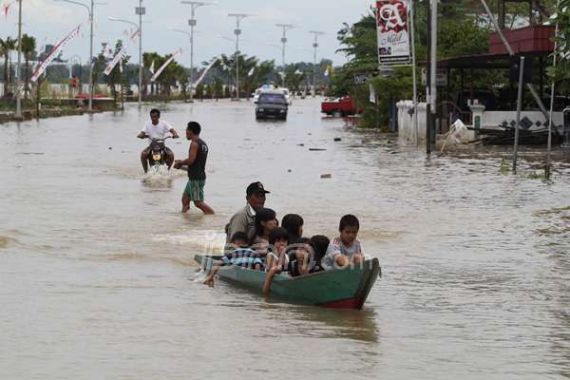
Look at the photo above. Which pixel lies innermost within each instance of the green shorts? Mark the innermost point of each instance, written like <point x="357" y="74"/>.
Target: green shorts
<point x="195" y="189"/>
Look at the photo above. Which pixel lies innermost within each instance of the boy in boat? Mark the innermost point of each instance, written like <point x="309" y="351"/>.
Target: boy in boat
<point x="345" y="249"/>
<point x="240" y="256"/>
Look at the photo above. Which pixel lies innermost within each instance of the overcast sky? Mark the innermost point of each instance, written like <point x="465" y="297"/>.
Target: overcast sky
<point x="51" y="20"/>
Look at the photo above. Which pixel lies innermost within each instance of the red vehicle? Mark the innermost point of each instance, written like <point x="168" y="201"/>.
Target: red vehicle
<point x="339" y="107"/>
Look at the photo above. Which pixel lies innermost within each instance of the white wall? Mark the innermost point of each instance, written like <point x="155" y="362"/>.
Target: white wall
<point x="490" y="120"/>
<point x="406" y="128"/>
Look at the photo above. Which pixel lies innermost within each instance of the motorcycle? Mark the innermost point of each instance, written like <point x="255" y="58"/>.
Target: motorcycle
<point x="157" y="154"/>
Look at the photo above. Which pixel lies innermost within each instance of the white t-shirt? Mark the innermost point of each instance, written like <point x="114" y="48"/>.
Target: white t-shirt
<point x="158" y="131"/>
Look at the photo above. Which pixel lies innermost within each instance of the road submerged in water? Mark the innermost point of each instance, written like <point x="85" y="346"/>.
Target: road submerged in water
<point x="97" y="272"/>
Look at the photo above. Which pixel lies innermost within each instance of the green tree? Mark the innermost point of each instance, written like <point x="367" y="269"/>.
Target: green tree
<point x="116" y="76"/>
<point x="6" y="46"/>
<point x="561" y="73"/>
<point x="29" y="51"/>
<point x="148" y="59"/>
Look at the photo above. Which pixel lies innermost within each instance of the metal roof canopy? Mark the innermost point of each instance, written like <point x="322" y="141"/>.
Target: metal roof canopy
<point x="483" y="61"/>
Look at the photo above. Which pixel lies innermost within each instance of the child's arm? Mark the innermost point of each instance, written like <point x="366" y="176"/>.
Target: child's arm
<point x="210" y="279"/>
<point x="269" y="279"/>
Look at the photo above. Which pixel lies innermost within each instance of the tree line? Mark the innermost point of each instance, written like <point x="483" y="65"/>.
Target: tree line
<point x="253" y="72"/>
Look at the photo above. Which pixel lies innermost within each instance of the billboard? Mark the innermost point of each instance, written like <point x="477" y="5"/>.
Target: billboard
<point x="393" y="32"/>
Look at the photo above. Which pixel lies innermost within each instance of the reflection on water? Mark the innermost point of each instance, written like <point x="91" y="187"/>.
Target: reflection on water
<point x="359" y="325"/>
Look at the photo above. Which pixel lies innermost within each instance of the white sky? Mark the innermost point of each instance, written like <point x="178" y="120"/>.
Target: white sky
<point x="51" y="20"/>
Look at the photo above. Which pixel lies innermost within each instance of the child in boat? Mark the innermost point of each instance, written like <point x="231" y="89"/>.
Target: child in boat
<point x="300" y="257"/>
<point x="277" y="259"/>
<point x="240" y="256"/>
<point x="265" y="222"/>
<point x="320" y="244"/>
<point x="345" y="249"/>
<point x="306" y="256"/>
<point x="293" y="223"/>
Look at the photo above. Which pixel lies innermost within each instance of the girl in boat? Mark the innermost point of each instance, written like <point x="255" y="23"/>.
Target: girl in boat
<point x="293" y="223"/>
<point x="265" y="222"/>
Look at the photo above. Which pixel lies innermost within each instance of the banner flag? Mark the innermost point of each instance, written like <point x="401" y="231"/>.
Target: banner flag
<point x="151" y="69"/>
<point x="6" y="7"/>
<point x="116" y="59"/>
<point x="161" y="69"/>
<point x="205" y="72"/>
<point x="392" y="31"/>
<point x="53" y="53"/>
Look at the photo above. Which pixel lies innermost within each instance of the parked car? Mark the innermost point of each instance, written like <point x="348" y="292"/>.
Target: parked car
<point x="339" y="107"/>
<point x="271" y="105"/>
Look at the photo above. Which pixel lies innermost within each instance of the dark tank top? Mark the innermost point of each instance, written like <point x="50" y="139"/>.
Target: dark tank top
<point x="197" y="171"/>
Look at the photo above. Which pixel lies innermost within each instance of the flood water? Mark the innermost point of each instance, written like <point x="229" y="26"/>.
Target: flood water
<point x="97" y="279"/>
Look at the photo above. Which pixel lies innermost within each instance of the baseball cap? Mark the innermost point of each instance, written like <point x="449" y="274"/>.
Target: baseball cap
<point x="255" y="187"/>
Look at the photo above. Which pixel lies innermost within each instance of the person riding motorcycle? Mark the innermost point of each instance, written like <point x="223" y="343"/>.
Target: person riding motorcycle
<point x="156" y="129"/>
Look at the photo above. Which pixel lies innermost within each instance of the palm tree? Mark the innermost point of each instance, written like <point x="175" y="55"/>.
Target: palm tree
<point x="6" y="46"/>
<point x="29" y="51"/>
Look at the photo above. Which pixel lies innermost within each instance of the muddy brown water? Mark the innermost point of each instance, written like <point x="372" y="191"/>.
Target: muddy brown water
<point x="97" y="274"/>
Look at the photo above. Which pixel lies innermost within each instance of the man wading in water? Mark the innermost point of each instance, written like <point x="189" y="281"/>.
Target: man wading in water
<point x="196" y="161"/>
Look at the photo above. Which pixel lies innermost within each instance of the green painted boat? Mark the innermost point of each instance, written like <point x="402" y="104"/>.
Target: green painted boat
<point x="339" y="288"/>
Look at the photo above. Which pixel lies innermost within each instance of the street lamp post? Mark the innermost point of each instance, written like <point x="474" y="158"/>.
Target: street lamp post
<point x="284" y="42"/>
<point x="140" y="11"/>
<point x="192" y="22"/>
<point x="315" y="46"/>
<point x="91" y="63"/>
<point x="19" y="71"/>
<point x="237" y="32"/>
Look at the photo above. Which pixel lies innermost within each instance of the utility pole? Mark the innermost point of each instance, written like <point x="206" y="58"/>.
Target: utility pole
<point x="237" y="32"/>
<point x="140" y="11"/>
<point x="316" y="33"/>
<point x="284" y="42"/>
<point x="433" y="74"/>
<point x="18" y="70"/>
<point x="192" y="22"/>
<point x="91" y="63"/>
<point x="428" y="80"/>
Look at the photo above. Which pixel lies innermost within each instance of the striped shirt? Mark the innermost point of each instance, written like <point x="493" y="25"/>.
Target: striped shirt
<point x="242" y="257"/>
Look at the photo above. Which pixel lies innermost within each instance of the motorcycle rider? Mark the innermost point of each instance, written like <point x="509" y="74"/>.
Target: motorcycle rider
<point x="156" y="129"/>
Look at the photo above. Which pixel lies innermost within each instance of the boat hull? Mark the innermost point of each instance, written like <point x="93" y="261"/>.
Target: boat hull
<point x="339" y="288"/>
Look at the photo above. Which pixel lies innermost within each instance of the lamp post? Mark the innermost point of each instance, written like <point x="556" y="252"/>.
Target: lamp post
<point x="192" y="22"/>
<point x="237" y="32"/>
<point x="91" y="63"/>
<point x="140" y="11"/>
<point x="284" y="42"/>
<point x="316" y="33"/>
<point x="18" y="70"/>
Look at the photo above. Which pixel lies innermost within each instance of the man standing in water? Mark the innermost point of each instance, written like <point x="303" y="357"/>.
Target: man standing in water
<point x="156" y="129"/>
<point x="244" y="219"/>
<point x="196" y="162"/>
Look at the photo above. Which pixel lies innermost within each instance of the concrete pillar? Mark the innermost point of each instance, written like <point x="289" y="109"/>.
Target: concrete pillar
<point x="477" y="111"/>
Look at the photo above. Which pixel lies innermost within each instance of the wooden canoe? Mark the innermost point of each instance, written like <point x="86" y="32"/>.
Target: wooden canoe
<point x="339" y="288"/>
